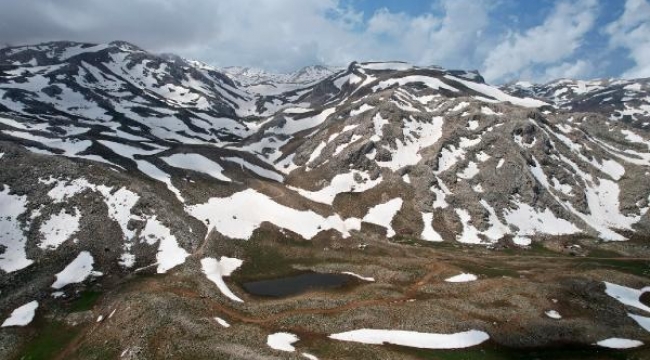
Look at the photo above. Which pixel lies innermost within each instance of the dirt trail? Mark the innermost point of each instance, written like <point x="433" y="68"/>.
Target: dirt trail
<point x="409" y="293"/>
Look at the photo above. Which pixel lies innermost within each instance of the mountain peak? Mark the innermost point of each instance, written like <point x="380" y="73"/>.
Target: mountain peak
<point x="125" y="45"/>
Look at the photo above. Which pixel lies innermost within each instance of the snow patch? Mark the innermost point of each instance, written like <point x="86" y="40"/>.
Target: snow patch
<point x="196" y="162"/>
<point x="238" y="215"/>
<point x="417" y="136"/>
<point x="627" y="296"/>
<point x="498" y="94"/>
<point x="222" y="322"/>
<point x="258" y="170"/>
<point x="59" y="228"/>
<point x="77" y="271"/>
<point x="414" y="339"/>
<point x="215" y="270"/>
<point x="282" y="341"/>
<point x="383" y="215"/>
<point x="364" y="278"/>
<point x="22" y="316"/>
<point x="553" y="314"/>
<point x="169" y="253"/>
<point x="12" y="238"/>
<point x="619" y="343"/>
<point x="464" y="277"/>
<point x="531" y="221"/>
<point x="429" y="233"/>
<point x="469" y="172"/>
<point x="340" y="184"/>
<point x="433" y="83"/>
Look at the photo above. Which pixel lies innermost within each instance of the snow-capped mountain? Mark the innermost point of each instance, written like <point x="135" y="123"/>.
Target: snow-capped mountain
<point x="172" y="98"/>
<point x="247" y="76"/>
<point x="620" y="99"/>
<point x="485" y="164"/>
<point x="261" y="82"/>
<point x="116" y="160"/>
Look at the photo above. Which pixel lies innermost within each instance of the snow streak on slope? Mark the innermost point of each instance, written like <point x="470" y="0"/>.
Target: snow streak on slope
<point x="619" y="343"/>
<point x="169" y="253"/>
<point x="198" y="163"/>
<point x="429" y="233"/>
<point x="417" y="136"/>
<point x="215" y="270"/>
<point x="59" y="228"/>
<point x="282" y="341"/>
<point x="340" y="184"/>
<point x="258" y="170"/>
<point x="22" y="316"/>
<point x="440" y="136"/>
<point x="497" y="94"/>
<point x="632" y="298"/>
<point x="383" y="215"/>
<point x="414" y="338"/>
<point x="12" y="238"/>
<point x="120" y="202"/>
<point x="239" y="215"/>
<point x="77" y="271"/>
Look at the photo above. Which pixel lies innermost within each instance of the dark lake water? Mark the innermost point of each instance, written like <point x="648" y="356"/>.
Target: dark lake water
<point x="296" y="284"/>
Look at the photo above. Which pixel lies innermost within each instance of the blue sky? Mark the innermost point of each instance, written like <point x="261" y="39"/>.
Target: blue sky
<point x="517" y="16"/>
<point x="535" y="40"/>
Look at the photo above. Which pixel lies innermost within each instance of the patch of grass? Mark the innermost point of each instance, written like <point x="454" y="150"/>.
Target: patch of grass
<point x="409" y="240"/>
<point x="405" y="240"/>
<point x="635" y="267"/>
<point x="51" y="338"/>
<point x="99" y="353"/>
<point x="488" y="270"/>
<point x="86" y="301"/>
<point x="493" y="352"/>
<point x="537" y="248"/>
<point x="263" y="262"/>
<point x="266" y="255"/>
<point x="595" y="251"/>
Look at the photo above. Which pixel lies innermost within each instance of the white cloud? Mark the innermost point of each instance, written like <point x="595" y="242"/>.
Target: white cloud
<point x="273" y="34"/>
<point x="555" y="40"/>
<point x="283" y="35"/>
<point x="279" y="34"/>
<point x="579" y="69"/>
<point x="286" y="34"/>
<point x="451" y="40"/>
<point x="632" y="31"/>
<point x="459" y="39"/>
<point x="384" y="22"/>
<point x="153" y="24"/>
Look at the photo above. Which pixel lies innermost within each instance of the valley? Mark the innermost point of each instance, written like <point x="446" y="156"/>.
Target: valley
<point x="156" y="207"/>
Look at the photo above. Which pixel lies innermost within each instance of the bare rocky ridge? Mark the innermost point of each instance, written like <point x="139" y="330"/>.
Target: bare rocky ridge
<point x="150" y="163"/>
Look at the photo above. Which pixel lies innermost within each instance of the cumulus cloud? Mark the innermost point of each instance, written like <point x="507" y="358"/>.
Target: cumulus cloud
<point x="451" y="40"/>
<point x="274" y="34"/>
<point x="155" y="24"/>
<point x="305" y="31"/>
<point x="555" y="40"/>
<point x="460" y="39"/>
<point x="632" y="32"/>
<point x="569" y="70"/>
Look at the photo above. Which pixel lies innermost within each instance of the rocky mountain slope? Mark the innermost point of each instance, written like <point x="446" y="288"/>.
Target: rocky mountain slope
<point x="247" y="76"/>
<point x="624" y="100"/>
<point x="118" y="161"/>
